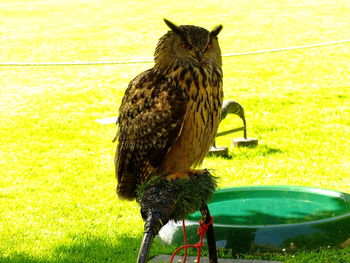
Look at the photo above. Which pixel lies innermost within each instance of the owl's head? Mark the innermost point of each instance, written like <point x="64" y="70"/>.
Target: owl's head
<point x="188" y="44"/>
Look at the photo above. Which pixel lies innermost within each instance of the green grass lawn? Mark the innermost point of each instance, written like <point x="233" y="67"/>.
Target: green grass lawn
<point x="57" y="184"/>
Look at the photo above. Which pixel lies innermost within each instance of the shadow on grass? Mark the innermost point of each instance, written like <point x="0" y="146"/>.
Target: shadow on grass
<point x="265" y="150"/>
<point x="254" y="151"/>
<point x="86" y="250"/>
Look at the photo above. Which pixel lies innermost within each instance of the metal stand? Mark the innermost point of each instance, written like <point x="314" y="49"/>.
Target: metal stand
<point x="210" y="234"/>
<point x="149" y="236"/>
<point x="232" y="107"/>
<point x="145" y="247"/>
<point x="161" y="201"/>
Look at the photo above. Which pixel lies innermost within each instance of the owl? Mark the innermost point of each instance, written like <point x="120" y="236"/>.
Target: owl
<point x="170" y="113"/>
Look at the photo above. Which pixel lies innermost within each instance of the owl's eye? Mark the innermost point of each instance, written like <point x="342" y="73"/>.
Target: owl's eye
<point x="210" y="46"/>
<point x="184" y="45"/>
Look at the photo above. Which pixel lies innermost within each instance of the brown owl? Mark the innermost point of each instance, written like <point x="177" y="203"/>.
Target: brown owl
<point x="170" y="113"/>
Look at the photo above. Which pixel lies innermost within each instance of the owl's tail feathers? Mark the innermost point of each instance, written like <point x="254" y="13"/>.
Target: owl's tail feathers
<point x="126" y="186"/>
<point x="115" y="137"/>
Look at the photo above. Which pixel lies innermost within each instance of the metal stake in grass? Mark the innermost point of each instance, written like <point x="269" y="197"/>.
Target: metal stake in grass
<point x="161" y="201"/>
<point x="232" y="107"/>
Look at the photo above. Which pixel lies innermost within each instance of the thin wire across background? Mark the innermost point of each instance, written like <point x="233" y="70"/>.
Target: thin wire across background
<point x="19" y="64"/>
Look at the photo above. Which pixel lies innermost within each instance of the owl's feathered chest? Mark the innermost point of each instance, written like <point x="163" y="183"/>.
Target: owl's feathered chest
<point x="202" y="89"/>
<point x="199" y="84"/>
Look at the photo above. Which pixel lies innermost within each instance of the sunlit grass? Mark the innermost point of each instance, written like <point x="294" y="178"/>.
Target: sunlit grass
<point x="57" y="185"/>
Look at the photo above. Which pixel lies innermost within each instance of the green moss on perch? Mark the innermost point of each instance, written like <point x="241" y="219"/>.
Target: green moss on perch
<point x="162" y="200"/>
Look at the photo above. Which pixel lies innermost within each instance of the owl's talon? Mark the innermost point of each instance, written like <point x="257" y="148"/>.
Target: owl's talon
<point x="197" y="172"/>
<point x="177" y="175"/>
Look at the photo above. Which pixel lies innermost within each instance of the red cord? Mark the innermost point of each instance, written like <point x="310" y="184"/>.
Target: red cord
<point x="202" y="229"/>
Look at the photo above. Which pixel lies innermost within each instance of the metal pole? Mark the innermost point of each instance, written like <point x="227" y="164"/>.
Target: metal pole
<point x="210" y="234"/>
<point x="145" y="247"/>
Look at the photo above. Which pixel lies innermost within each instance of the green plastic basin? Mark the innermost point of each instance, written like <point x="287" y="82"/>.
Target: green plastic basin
<point x="272" y="218"/>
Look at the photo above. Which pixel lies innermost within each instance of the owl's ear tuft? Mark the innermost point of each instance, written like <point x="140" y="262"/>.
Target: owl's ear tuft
<point x="172" y="26"/>
<point x="216" y="30"/>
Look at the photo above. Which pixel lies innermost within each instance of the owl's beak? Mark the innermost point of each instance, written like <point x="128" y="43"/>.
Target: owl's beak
<point x="199" y="55"/>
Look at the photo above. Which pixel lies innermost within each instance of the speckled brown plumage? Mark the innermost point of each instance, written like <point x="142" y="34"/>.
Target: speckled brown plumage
<point x="170" y="113"/>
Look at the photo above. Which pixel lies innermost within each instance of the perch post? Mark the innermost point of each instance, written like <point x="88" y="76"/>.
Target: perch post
<point x="162" y="200"/>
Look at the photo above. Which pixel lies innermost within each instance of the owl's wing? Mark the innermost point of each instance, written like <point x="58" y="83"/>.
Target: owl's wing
<point x="150" y="119"/>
